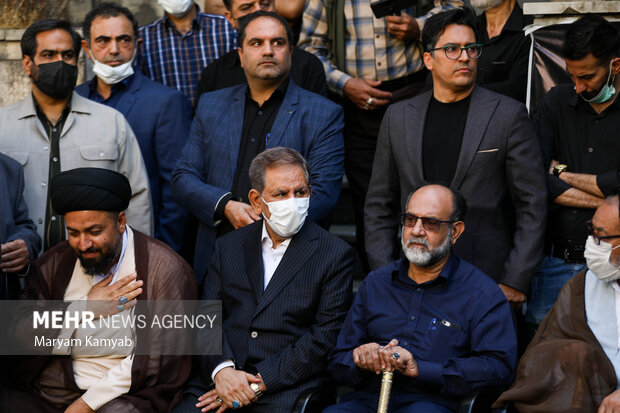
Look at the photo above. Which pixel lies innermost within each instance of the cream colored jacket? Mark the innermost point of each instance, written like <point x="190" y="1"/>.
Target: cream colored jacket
<point x="93" y="135"/>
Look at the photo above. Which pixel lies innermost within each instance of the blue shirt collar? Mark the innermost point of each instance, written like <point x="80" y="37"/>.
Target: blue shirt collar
<point x="446" y="274"/>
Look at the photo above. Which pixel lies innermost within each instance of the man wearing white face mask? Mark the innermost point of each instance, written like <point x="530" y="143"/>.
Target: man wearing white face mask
<point x="159" y="116"/>
<point x="177" y="47"/>
<point x="285" y="287"/>
<point x="577" y="126"/>
<point x="573" y="363"/>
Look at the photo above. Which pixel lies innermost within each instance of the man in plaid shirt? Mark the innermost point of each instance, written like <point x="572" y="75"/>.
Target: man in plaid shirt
<point x="381" y="63"/>
<point x="176" y="48"/>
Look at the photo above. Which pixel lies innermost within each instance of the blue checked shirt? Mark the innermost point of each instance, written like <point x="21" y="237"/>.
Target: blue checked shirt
<point x="371" y="52"/>
<point x="176" y="59"/>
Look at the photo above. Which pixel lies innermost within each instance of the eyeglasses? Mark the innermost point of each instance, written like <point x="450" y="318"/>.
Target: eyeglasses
<point x="453" y="52"/>
<point x="429" y="224"/>
<point x="598" y="239"/>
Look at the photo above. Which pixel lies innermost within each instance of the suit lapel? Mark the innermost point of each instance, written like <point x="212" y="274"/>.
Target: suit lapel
<point x="284" y="116"/>
<point x="301" y="248"/>
<point x="253" y="252"/>
<point x="128" y="99"/>
<point x="414" y="133"/>
<point x="235" y="127"/>
<point x="481" y="108"/>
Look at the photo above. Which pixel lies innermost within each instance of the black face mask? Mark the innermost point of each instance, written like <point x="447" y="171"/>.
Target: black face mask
<point x="56" y="79"/>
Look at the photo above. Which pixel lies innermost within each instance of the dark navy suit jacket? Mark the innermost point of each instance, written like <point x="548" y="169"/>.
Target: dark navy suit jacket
<point x="306" y="122"/>
<point x="283" y="332"/>
<point x="160" y="118"/>
<point x="14" y="221"/>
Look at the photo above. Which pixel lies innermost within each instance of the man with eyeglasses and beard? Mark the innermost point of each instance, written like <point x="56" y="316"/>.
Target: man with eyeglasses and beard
<point x="475" y="141"/>
<point x="437" y="320"/>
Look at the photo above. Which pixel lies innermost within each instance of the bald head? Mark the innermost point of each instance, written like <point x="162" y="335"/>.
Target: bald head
<point x="439" y="196"/>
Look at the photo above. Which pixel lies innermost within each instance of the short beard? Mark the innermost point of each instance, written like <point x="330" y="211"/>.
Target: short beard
<point x="96" y="266"/>
<point x="425" y="259"/>
<point x="485" y="5"/>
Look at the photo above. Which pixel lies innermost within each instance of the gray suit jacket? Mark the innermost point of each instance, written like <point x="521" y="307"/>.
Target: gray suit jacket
<point x="499" y="172"/>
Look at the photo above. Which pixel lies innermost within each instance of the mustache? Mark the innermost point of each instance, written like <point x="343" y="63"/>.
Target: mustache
<point x="90" y="250"/>
<point x="464" y="66"/>
<point x="417" y="240"/>
<point x="268" y="60"/>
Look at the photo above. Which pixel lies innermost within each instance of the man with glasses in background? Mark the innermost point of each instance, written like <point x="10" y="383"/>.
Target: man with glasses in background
<point x="472" y="140"/>
<point x="432" y="316"/>
<point x="573" y="363"/>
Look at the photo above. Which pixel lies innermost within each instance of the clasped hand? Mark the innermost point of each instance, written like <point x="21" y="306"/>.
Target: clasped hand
<point x="230" y="385"/>
<point x="373" y="357"/>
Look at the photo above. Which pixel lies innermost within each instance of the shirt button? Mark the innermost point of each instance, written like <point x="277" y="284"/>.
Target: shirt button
<point x="101" y="154"/>
<point x="43" y="184"/>
<point x="378" y="63"/>
<point x="590" y="150"/>
<point x="55" y="159"/>
<point x="378" y="36"/>
<point x="254" y="334"/>
<point x="252" y="140"/>
<point x="53" y="218"/>
<point x="40" y="221"/>
<point x="413" y="317"/>
<point x="405" y="343"/>
<point x="419" y="289"/>
<point x="54" y="129"/>
<point x="260" y="112"/>
<point x="45" y="148"/>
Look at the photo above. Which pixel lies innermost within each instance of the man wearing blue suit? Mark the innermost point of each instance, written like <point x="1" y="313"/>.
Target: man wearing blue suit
<point x="285" y="287"/>
<point x="235" y="124"/>
<point x="159" y="116"/>
<point x="19" y="241"/>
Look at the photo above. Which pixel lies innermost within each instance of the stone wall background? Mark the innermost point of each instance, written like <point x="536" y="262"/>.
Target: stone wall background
<point x="16" y="15"/>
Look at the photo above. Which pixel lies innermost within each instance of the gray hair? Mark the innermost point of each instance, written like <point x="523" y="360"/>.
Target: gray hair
<point x="271" y="158"/>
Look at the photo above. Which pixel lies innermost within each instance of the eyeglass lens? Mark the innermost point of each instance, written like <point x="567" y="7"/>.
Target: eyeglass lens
<point x="454" y="52"/>
<point x="429" y="224"/>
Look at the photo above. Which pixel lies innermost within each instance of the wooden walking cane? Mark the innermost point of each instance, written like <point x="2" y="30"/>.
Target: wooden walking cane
<point x="386" y="388"/>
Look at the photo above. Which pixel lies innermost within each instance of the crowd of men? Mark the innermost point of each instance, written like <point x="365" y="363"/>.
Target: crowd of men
<point x="205" y="158"/>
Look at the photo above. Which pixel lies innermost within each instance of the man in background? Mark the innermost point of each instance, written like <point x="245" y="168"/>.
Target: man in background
<point x="159" y="116"/>
<point x="176" y="48"/>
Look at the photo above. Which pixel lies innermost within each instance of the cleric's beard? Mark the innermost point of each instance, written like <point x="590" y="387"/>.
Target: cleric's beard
<point x="96" y="266"/>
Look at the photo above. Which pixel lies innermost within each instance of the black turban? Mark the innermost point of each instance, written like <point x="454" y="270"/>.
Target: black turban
<point x="89" y="189"/>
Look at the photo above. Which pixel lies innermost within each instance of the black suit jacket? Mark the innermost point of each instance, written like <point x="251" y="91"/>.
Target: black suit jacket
<point x="286" y="331"/>
<point x="499" y="172"/>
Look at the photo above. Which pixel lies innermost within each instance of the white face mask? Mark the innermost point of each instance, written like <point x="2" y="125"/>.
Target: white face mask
<point x="597" y="258"/>
<point x="287" y="216"/>
<point x="113" y="74"/>
<point x="178" y="8"/>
